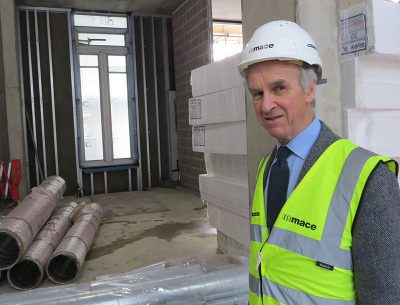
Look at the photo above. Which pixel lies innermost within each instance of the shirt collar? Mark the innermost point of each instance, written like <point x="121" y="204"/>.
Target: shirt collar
<point x="302" y="143"/>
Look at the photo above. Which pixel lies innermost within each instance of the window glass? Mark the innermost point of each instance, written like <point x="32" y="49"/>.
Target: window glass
<point x="116" y="63"/>
<point x="94" y="39"/>
<point x="91" y="110"/>
<point x="119" y="107"/>
<point x="105" y="109"/>
<point x="100" y="21"/>
<point x="227" y="40"/>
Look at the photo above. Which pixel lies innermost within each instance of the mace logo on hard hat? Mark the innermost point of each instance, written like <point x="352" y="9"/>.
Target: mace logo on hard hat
<point x="261" y="47"/>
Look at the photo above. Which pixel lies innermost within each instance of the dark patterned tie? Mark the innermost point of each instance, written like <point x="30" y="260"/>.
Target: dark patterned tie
<point x="277" y="185"/>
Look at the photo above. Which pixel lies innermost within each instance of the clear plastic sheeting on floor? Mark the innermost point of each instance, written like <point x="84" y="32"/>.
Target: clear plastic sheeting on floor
<point x="217" y="280"/>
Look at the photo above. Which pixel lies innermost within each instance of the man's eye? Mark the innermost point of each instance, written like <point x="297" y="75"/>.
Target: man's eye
<point x="279" y="89"/>
<point x="257" y="95"/>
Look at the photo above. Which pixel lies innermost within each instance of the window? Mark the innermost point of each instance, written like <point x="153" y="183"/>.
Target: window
<point x="227" y="39"/>
<point x="105" y="98"/>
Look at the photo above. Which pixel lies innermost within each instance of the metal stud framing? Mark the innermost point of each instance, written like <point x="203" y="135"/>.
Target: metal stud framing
<point x="30" y="121"/>
<point x="39" y="79"/>
<point x="52" y="93"/>
<point x="32" y="125"/>
<point x="145" y="104"/>
<point x="139" y="172"/>
<point x="156" y="96"/>
<point x="23" y="105"/>
<point x="78" y="169"/>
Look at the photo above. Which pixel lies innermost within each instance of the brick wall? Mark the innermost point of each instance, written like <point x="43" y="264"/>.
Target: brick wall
<point x="192" y="34"/>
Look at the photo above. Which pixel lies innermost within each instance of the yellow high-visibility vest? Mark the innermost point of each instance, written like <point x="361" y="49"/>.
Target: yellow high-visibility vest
<point x="306" y="258"/>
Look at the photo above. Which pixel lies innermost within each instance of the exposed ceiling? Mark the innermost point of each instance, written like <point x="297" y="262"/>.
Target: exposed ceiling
<point x="151" y="7"/>
<point x="221" y="9"/>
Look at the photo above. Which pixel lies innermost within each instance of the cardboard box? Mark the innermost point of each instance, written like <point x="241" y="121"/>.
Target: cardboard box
<point x="371" y="81"/>
<point x="375" y="130"/>
<point x="223" y="106"/>
<point x="216" y="76"/>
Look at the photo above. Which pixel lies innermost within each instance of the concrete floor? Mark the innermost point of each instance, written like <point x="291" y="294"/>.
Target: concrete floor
<point x="142" y="228"/>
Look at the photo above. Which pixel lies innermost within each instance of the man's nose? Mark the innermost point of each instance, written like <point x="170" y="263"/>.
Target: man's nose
<point x="268" y="102"/>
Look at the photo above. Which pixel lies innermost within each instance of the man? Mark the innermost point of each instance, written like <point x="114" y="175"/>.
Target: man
<point x="325" y="223"/>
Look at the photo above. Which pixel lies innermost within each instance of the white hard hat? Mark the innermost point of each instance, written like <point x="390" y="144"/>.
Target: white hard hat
<point x="281" y="40"/>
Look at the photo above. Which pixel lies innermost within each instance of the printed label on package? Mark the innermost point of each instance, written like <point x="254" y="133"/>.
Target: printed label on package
<point x="195" y="108"/>
<point x="198" y="135"/>
<point x="353" y="34"/>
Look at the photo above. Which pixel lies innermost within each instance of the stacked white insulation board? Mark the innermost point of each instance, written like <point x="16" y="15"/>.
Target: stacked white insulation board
<point x="217" y="113"/>
<point x="370" y="68"/>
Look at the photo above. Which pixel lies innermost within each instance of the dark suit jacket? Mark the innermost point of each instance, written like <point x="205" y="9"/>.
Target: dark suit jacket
<point x="376" y="230"/>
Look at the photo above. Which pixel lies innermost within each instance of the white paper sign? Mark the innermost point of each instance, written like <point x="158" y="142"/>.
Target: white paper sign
<point x="353" y="34"/>
<point x="194" y="108"/>
<point x="198" y="135"/>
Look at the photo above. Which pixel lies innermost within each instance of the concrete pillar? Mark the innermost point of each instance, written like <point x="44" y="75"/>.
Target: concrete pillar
<point x="12" y="86"/>
<point x="324" y="29"/>
<point x="254" y="14"/>
<point x="258" y="12"/>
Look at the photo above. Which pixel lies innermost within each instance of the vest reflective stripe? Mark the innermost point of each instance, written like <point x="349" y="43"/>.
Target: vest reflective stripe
<point x="289" y="296"/>
<point x="340" y="205"/>
<point x="354" y="166"/>
<point x="334" y="222"/>
<point x="255" y="232"/>
<point x="254" y="285"/>
<point x="261" y="165"/>
<point x="311" y="248"/>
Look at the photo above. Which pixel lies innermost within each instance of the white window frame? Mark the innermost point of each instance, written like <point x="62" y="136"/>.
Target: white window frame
<point x="102" y="52"/>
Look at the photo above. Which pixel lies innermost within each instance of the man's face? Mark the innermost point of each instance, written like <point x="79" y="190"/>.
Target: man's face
<point x="280" y="103"/>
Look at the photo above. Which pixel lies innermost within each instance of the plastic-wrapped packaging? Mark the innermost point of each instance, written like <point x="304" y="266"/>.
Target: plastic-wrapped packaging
<point x="30" y="269"/>
<point x="66" y="261"/>
<point x="20" y="226"/>
<point x="219" y="280"/>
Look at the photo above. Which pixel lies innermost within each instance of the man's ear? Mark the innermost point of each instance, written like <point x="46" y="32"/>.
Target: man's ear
<point x="310" y="94"/>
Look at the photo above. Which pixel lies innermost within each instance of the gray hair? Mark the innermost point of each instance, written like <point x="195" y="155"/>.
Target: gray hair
<point x="307" y="77"/>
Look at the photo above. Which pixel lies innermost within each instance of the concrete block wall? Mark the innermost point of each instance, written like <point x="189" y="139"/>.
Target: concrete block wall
<point x="192" y="38"/>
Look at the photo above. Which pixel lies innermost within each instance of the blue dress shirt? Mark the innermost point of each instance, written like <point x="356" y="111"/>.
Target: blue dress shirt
<point x="300" y="146"/>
